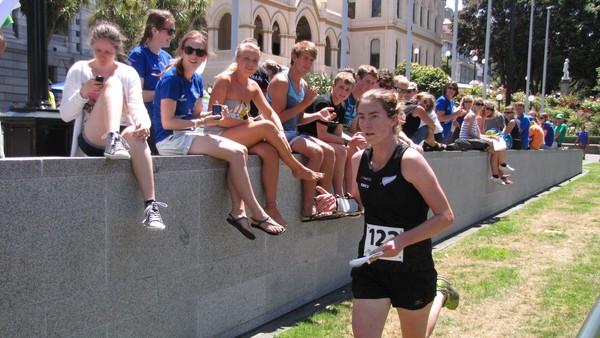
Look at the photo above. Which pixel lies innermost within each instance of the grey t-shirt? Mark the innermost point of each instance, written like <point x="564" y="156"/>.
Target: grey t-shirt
<point x="496" y="122"/>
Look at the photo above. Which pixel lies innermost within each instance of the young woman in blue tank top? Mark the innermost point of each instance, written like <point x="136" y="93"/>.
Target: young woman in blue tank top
<point x="397" y="187"/>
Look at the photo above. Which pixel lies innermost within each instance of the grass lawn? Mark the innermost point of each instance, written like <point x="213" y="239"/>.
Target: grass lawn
<point x="532" y="273"/>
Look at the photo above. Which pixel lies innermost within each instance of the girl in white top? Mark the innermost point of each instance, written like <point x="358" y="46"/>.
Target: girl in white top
<point x="107" y="96"/>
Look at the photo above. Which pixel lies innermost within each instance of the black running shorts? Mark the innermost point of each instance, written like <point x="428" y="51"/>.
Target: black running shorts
<point x="410" y="289"/>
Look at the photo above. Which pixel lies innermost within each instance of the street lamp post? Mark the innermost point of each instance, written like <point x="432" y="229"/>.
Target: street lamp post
<point x="486" y="60"/>
<point x="409" y="37"/>
<point x="529" y="57"/>
<point x="545" y="59"/>
<point x="475" y="58"/>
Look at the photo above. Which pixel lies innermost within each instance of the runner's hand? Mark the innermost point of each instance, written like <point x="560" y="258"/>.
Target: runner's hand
<point x="389" y="248"/>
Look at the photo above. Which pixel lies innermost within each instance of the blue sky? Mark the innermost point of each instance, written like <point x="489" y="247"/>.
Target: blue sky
<point x="450" y="3"/>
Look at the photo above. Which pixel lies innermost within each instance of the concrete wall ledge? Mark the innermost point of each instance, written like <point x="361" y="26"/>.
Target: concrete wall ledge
<point x="76" y="262"/>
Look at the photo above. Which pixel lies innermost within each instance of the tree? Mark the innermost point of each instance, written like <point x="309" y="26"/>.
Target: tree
<point x="60" y="13"/>
<point x="428" y="78"/>
<point x="575" y="34"/>
<point x="130" y="16"/>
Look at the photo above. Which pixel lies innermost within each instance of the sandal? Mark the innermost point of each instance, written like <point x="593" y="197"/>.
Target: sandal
<point x="436" y="147"/>
<point x="267" y="221"/>
<point x="236" y="223"/>
<point x="321" y="216"/>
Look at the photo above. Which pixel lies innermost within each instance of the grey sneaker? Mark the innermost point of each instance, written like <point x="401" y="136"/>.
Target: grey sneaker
<point x="116" y="147"/>
<point x="152" y="220"/>
<point x="452" y="297"/>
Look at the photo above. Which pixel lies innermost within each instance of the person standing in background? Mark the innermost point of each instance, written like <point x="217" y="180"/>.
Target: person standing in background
<point x="150" y="59"/>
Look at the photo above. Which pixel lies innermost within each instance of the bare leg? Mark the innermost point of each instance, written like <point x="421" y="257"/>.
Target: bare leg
<point x="414" y="322"/>
<point x="348" y="177"/>
<point x="263" y="130"/>
<point x="327" y="165"/>
<point x="106" y="115"/>
<point x="141" y="163"/>
<point x="236" y="155"/>
<point x="270" y="178"/>
<point x="368" y="317"/>
<point x="434" y="313"/>
<point x="338" y="168"/>
<point x="314" y="153"/>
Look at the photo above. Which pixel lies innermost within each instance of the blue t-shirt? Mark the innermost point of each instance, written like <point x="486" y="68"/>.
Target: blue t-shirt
<point x="549" y="131"/>
<point x="447" y="106"/>
<point x="350" y="113"/>
<point x="524" y="124"/>
<point x="149" y="66"/>
<point x="583" y="137"/>
<point x="177" y="88"/>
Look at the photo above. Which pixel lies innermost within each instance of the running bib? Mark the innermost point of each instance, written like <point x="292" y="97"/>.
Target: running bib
<point x="379" y="234"/>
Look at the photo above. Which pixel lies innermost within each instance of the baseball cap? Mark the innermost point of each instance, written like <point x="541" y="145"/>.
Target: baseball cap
<point x="560" y="116"/>
<point x="412" y="86"/>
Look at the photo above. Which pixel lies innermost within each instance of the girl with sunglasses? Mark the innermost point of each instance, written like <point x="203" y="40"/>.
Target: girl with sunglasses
<point x="262" y="135"/>
<point x="150" y="59"/>
<point x="182" y="128"/>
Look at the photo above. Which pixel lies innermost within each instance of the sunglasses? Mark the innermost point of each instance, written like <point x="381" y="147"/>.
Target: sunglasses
<point x="199" y="51"/>
<point x="170" y="31"/>
<point x="401" y="90"/>
<point x="479" y="104"/>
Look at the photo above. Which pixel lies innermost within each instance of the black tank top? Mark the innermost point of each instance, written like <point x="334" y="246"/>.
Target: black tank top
<point x="514" y="134"/>
<point x="391" y="201"/>
<point x="412" y="122"/>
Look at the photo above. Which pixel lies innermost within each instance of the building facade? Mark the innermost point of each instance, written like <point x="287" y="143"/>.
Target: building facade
<point x="63" y="51"/>
<point x="377" y="31"/>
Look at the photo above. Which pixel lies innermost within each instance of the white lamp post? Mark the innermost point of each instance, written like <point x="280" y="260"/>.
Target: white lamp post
<point x="485" y="61"/>
<point x="409" y="37"/>
<point x="529" y="56"/>
<point x="545" y="59"/>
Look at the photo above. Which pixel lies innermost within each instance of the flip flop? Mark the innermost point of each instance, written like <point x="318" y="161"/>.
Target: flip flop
<point x="236" y="223"/>
<point x="267" y="221"/>
<point x="323" y="216"/>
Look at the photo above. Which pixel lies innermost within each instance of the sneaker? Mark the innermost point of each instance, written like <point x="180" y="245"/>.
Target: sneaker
<point x="116" y="147"/>
<point x="507" y="167"/>
<point x="497" y="180"/>
<point x="152" y="220"/>
<point x="452" y="298"/>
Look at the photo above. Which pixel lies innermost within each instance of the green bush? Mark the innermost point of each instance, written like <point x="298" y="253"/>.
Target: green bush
<point x="428" y="78"/>
<point x="322" y="81"/>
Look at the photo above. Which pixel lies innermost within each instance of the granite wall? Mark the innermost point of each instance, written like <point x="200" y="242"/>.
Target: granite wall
<point x="76" y="262"/>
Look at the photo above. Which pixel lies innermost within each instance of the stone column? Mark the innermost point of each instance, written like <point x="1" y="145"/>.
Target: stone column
<point x="267" y="41"/>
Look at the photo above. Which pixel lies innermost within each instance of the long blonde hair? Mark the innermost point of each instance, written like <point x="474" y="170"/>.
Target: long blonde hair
<point x="191" y="35"/>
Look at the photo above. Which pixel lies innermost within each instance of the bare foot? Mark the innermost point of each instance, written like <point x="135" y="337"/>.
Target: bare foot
<point x="275" y="215"/>
<point x="303" y="173"/>
<point x="269" y="226"/>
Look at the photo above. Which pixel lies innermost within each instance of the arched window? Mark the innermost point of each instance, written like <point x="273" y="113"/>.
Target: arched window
<point x="339" y="54"/>
<point x="258" y="32"/>
<point x="421" y="16"/>
<point x="435" y="25"/>
<point x="303" y="30"/>
<point x="398" y="9"/>
<point x="276" y="40"/>
<point x="396" y="56"/>
<point x="327" y="52"/>
<point x="374" y="60"/>
<point x="224" y="33"/>
<point x="428" y="14"/>
<point x="375" y="8"/>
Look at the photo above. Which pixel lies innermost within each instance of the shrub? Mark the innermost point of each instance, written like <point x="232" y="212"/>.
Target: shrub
<point x="322" y="81"/>
<point x="428" y="78"/>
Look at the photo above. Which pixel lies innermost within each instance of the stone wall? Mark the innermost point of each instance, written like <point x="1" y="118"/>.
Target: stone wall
<point x="76" y="262"/>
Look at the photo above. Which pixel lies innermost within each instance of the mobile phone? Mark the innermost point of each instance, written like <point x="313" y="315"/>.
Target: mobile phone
<point x="100" y="78"/>
<point x="216" y="109"/>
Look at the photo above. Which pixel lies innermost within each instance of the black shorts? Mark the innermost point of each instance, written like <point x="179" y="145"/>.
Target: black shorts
<point x="407" y="288"/>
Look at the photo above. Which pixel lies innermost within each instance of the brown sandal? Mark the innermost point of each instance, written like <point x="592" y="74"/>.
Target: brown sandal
<point x="268" y="221"/>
